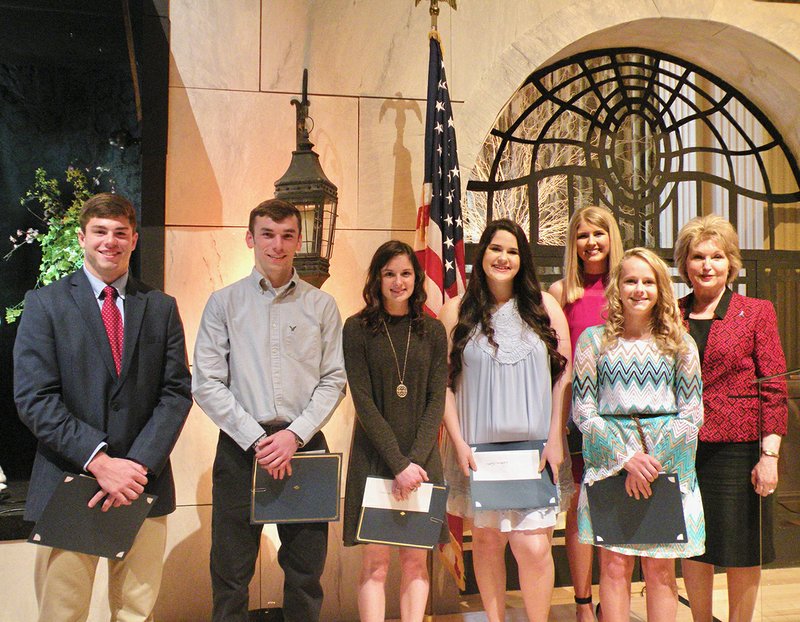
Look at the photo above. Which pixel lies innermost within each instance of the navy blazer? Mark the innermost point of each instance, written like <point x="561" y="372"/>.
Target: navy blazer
<point x="68" y="393"/>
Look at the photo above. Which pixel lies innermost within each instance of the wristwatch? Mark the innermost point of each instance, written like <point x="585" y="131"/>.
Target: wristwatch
<point x="258" y="440"/>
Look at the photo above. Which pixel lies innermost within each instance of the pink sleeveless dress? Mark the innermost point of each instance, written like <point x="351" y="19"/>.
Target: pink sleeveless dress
<point x="589" y="310"/>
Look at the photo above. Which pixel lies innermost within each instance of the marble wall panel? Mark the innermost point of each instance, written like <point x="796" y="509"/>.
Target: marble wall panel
<point x="16" y="581"/>
<point x="227" y="149"/>
<point x="199" y="261"/>
<point x="371" y="47"/>
<point x="193" y="459"/>
<point x="215" y="44"/>
<point x="186" y="584"/>
<point x="482" y="30"/>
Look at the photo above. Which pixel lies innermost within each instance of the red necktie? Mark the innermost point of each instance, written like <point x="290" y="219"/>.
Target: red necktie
<point x="112" y="319"/>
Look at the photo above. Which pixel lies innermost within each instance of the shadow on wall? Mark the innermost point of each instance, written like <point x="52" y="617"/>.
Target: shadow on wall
<point x="403" y="191"/>
<point x="192" y="178"/>
<point x="186" y="583"/>
<point x="186" y="568"/>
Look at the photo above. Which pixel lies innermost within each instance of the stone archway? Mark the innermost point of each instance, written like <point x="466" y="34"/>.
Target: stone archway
<point x="751" y="50"/>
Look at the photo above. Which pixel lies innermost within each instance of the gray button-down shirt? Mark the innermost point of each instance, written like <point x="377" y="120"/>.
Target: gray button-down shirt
<point x="267" y="356"/>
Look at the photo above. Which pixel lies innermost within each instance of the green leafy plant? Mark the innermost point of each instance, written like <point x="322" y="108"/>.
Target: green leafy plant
<point x="58" y="233"/>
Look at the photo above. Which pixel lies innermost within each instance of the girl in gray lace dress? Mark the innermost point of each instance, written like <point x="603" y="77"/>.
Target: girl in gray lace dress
<point x="509" y="360"/>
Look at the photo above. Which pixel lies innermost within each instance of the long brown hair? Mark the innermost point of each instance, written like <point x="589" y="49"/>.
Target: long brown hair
<point x="374" y="314"/>
<point x="477" y="303"/>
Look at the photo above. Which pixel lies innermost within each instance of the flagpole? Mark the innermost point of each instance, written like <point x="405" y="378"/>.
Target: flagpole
<point x="434" y="11"/>
<point x="439" y="235"/>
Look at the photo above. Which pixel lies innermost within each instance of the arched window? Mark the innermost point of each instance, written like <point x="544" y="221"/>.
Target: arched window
<point x="658" y="141"/>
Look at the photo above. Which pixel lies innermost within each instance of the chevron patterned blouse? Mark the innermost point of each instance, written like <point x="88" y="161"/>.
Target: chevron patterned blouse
<point x="633" y="377"/>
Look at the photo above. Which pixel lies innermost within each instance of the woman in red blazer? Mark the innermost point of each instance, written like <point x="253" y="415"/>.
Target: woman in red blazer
<point x="737" y="456"/>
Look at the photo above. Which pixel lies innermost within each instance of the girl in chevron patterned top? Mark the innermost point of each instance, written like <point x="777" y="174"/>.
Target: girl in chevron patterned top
<point x="509" y="370"/>
<point x="593" y="245"/>
<point x="637" y="399"/>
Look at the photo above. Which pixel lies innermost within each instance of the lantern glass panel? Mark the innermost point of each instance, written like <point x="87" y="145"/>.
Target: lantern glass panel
<point x="310" y="229"/>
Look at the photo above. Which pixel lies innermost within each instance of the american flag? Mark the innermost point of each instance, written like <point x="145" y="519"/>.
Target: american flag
<point x="439" y="239"/>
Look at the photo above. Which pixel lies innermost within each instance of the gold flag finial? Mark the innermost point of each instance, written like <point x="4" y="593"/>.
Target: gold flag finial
<point x="434" y="11"/>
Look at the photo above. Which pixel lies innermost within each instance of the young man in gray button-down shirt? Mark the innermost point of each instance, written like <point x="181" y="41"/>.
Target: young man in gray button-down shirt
<point x="269" y="371"/>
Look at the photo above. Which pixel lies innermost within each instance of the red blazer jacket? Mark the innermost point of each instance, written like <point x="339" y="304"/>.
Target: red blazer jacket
<point x="743" y="345"/>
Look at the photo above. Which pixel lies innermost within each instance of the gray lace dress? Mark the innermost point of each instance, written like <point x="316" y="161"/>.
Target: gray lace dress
<point x="504" y="394"/>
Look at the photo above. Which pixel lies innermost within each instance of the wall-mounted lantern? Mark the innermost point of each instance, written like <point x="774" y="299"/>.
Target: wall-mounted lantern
<point x="306" y="186"/>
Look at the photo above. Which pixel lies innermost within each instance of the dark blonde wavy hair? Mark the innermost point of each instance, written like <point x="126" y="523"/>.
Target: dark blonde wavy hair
<point x="666" y="324"/>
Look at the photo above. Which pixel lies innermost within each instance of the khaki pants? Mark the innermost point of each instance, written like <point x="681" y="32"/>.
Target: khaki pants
<point x="64" y="579"/>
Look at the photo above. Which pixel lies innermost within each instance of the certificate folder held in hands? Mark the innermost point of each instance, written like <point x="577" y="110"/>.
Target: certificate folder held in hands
<point x="416" y="522"/>
<point x="508" y="477"/>
<point x="69" y="523"/>
<point x="620" y="519"/>
<point x="309" y="495"/>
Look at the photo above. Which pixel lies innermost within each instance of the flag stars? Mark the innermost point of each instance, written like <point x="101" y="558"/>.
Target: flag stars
<point x="449" y="199"/>
<point x="454" y="172"/>
<point x="448" y="242"/>
<point x="450" y="122"/>
<point x="458" y="222"/>
<point x="438" y="129"/>
<point x="440" y="106"/>
<point x="449" y="219"/>
<point x="448" y="265"/>
<point x="443" y="84"/>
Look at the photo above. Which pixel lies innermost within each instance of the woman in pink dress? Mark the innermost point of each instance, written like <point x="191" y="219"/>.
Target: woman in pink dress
<point x="593" y="247"/>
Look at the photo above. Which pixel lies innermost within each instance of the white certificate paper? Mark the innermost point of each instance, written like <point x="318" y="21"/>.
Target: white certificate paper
<point x="503" y="466"/>
<point x="378" y="494"/>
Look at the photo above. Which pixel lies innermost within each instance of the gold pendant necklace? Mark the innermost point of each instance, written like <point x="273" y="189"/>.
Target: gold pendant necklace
<point x="402" y="389"/>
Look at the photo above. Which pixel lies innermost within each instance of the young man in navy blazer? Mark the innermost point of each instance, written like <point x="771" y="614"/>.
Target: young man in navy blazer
<point x="100" y="378"/>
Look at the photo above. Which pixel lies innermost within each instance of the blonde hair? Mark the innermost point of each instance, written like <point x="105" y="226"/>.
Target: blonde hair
<point x="666" y="324"/>
<point x="704" y="228"/>
<point x="573" y="265"/>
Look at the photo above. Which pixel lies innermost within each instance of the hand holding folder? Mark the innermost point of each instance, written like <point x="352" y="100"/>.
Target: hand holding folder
<point x="309" y="495"/>
<point x="618" y="518"/>
<point x="508" y="477"/>
<point x="69" y="523"/>
<point x="414" y="522"/>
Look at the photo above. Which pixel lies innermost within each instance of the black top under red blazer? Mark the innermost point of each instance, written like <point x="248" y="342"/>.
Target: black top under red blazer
<point x="743" y="345"/>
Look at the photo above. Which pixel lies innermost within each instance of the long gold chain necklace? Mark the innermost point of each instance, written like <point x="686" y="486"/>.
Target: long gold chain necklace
<point x="402" y="389"/>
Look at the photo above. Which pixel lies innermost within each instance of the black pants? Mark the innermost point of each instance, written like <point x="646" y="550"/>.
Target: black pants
<point x="235" y="542"/>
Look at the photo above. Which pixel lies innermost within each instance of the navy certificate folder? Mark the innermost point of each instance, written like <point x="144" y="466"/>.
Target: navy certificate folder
<point x="514" y="493"/>
<point x="69" y="523"/>
<point x="403" y="527"/>
<point x="309" y="495"/>
<point x="620" y="519"/>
